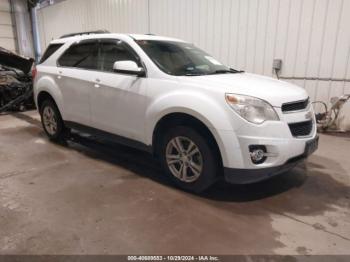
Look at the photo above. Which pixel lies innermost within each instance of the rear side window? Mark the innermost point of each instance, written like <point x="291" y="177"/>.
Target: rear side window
<point x="49" y="51"/>
<point x="82" y="55"/>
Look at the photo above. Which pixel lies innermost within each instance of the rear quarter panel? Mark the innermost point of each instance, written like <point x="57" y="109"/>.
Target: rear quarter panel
<point x="45" y="81"/>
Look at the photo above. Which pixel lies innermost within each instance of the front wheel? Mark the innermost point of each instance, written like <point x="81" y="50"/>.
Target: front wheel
<point x="188" y="159"/>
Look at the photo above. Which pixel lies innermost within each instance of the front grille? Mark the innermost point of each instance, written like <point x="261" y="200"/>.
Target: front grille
<point x="295" y="106"/>
<point x="301" y="128"/>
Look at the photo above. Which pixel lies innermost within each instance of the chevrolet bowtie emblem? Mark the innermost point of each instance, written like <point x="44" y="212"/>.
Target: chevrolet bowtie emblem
<point x="308" y="115"/>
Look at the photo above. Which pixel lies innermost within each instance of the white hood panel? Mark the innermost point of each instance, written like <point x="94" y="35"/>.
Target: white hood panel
<point x="269" y="89"/>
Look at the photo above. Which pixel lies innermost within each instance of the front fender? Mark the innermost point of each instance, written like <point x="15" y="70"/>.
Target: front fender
<point x="209" y="111"/>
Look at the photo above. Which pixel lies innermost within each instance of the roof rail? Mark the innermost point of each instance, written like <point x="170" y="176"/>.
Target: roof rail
<point x="86" y="33"/>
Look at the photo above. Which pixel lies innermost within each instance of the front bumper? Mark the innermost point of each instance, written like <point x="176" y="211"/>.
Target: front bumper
<point x="247" y="176"/>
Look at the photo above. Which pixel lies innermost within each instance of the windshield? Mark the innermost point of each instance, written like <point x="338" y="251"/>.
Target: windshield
<point x="178" y="58"/>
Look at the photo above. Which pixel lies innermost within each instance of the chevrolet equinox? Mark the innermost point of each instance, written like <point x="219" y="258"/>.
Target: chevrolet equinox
<point x="202" y="119"/>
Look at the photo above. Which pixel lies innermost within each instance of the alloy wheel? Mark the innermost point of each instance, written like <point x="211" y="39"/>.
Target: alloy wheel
<point x="49" y="120"/>
<point x="184" y="159"/>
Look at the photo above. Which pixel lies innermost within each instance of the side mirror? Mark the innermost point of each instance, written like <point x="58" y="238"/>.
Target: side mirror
<point x="128" y="67"/>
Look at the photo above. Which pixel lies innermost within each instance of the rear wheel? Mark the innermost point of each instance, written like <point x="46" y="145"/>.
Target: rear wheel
<point x="188" y="159"/>
<point x="52" y="121"/>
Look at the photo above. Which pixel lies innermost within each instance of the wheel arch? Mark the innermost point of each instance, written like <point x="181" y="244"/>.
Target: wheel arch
<point x="42" y="96"/>
<point x="184" y="119"/>
<point x="46" y="87"/>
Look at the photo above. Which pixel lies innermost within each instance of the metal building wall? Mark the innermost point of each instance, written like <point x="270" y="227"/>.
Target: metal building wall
<point x="312" y="37"/>
<point x="85" y="15"/>
<point x="7" y="35"/>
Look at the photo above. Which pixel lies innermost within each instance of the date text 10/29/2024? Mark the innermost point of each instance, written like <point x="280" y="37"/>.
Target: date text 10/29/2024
<point x="173" y="258"/>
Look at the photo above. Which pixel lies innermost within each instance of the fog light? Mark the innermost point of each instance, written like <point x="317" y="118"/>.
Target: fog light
<point x="257" y="154"/>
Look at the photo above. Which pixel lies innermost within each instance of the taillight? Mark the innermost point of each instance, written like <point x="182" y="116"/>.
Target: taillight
<point x="34" y="72"/>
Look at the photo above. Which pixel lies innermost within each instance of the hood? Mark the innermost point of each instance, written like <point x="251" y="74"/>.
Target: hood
<point x="269" y="89"/>
<point x="7" y="58"/>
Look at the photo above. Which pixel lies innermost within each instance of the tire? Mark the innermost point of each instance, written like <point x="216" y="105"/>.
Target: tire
<point x="201" y="168"/>
<point x="52" y="121"/>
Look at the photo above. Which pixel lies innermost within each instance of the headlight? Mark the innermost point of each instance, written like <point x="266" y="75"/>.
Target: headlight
<point x="252" y="109"/>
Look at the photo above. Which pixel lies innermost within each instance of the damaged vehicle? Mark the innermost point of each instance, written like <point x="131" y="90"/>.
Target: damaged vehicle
<point x="16" y="85"/>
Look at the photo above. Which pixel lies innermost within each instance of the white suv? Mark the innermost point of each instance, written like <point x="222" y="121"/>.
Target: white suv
<point x="202" y="119"/>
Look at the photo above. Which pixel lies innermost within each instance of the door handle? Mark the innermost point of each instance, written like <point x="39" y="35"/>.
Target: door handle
<point x="59" y="76"/>
<point x="97" y="81"/>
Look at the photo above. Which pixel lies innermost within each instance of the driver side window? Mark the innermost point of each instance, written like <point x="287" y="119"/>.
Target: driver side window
<point x="113" y="51"/>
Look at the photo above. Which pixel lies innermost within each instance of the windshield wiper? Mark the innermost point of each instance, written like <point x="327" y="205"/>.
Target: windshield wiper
<point x="221" y="71"/>
<point x="194" y="74"/>
<point x="227" y="71"/>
